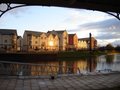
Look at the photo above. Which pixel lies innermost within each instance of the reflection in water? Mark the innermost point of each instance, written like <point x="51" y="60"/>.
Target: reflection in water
<point x="73" y="66"/>
<point x="109" y="59"/>
<point x="110" y="62"/>
<point x="90" y="64"/>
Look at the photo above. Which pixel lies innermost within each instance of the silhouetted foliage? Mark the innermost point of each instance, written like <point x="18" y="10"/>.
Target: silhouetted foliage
<point x="102" y="48"/>
<point x="117" y="48"/>
<point x="109" y="47"/>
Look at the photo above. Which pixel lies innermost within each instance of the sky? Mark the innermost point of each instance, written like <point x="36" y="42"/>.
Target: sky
<point x="104" y="27"/>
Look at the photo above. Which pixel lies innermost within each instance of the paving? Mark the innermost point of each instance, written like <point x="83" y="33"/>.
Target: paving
<point x="73" y="82"/>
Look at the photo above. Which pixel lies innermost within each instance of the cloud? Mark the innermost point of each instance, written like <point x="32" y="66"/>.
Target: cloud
<point x="106" y="29"/>
<point x="116" y="43"/>
<point x="81" y="16"/>
<point x="110" y="24"/>
<point x="108" y="36"/>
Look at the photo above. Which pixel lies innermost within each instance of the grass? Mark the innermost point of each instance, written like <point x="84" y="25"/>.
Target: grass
<point x="79" y="54"/>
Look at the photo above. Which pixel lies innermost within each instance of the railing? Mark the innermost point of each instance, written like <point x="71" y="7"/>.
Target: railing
<point x="30" y="69"/>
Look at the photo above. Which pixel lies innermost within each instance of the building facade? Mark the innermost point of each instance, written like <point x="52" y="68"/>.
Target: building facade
<point x="40" y="41"/>
<point x="52" y="42"/>
<point x="72" y="42"/>
<point x="43" y="42"/>
<point x="31" y="41"/>
<point x="84" y="43"/>
<point x="8" y="40"/>
<point x="63" y="39"/>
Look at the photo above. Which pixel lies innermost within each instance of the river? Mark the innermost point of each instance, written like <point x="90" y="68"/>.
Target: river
<point x="103" y="63"/>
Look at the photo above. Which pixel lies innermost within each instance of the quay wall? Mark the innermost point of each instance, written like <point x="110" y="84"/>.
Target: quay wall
<point x="27" y="57"/>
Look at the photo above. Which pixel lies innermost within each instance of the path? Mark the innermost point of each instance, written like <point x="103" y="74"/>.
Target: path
<point x="91" y="82"/>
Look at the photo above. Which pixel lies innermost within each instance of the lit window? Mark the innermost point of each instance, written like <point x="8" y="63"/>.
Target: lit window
<point x="50" y="43"/>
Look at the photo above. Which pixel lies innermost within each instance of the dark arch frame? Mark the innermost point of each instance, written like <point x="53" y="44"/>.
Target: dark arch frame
<point x="9" y="7"/>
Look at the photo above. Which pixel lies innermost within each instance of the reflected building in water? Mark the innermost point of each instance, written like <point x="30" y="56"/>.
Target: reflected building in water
<point x="64" y="66"/>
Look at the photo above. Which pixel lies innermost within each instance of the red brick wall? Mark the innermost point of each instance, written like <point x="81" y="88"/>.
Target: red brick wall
<point x="70" y="40"/>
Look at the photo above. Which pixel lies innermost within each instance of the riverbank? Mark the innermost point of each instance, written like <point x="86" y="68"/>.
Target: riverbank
<point x="46" y="55"/>
<point x="25" y="57"/>
<point x="79" y="54"/>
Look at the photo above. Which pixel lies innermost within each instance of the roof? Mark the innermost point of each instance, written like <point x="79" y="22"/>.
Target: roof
<point x="86" y="39"/>
<point x="57" y="32"/>
<point x="49" y="33"/>
<point x="35" y="33"/>
<point x="60" y="32"/>
<point x="8" y="31"/>
<point x="83" y="39"/>
<point x="71" y="35"/>
<point x="100" y="5"/>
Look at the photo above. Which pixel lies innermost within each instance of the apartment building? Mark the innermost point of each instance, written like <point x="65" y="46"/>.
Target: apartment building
<point x="40" y="41"/>
<point x="72" y="42"/>
<point x="52" y="42"/>
<point x="84" y="43"/>
<point x="31" y="40"/>
<point x="63" y="38"/>
<point x="8" y="39"/>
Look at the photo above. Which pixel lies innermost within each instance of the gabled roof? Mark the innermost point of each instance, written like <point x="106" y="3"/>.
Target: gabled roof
<point x="60" y="32"/>
<point x="8" y="31"/>
<point x="48" y="34"/>
<point x="43" y="33"/>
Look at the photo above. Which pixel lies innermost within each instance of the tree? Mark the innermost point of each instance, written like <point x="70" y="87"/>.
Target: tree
<point x="101" y="48"/>
<point x="117" y="48"/>
<point x="109" y="47"/>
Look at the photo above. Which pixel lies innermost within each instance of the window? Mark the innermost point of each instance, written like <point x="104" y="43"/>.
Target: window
<point x="30" y="47"/>
<point x="35" y="42"/>
<point x="36" y="37"/>
<point x="13" y="46"/>
<point x="30" y="42"/>
<point x="5" y="41"/>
